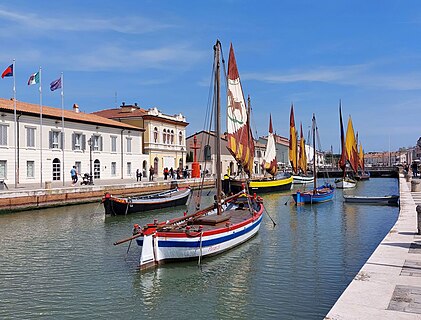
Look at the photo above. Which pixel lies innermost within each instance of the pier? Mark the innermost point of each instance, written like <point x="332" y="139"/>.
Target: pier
<point x="388" y="286"/>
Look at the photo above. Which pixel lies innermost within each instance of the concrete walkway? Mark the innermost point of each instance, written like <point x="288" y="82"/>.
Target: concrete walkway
<point x="388" y="286"/>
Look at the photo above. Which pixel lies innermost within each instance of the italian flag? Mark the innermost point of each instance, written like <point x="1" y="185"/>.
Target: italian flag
<point x="33" y="79"/>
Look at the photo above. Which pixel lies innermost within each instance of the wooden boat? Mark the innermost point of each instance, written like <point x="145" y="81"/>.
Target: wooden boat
<point x="125" y="205"/>
<point x="384" y="200"/>
<point x="301" y="179"/>
<point x="317" y="194"/>
<point x="222" y="226"/>
<point x="362" y="176"/>
<point x="349" y="154"/>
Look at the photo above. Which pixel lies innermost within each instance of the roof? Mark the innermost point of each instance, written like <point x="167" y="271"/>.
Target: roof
<point x="56" y="113"/>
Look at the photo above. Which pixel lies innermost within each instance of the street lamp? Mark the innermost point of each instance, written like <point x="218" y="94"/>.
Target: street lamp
<point x="90" y="161"/>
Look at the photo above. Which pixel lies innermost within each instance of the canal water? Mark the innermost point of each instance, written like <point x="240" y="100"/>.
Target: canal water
<point x="60" y="263"/>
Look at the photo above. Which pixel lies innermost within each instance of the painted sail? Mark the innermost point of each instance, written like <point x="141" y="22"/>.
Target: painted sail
<point x="342" y="160"/>
<point x="293" y="159"/>
<point x="240" y="139"/>
<point x="269" y="161"/>
<point x="302" y="162"/>
<point x="351" y="146"/>
<point x="361" y="158"/>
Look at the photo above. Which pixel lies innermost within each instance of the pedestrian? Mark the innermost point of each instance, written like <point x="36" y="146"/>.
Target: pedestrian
<point x="172" y="173"/>
<point x="138" y="175"/>
<point x="165" y="173"/>
<point x="185" y="173"/>
<point x="73" y="174"/>
<point x="414" y="168"/>
<point x="151" y="173"/>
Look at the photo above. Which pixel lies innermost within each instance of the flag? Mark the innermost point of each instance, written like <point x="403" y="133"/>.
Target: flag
<point x="56" y="84"/>
<point x="33" y="79"/>
<point x="8" y="72"/>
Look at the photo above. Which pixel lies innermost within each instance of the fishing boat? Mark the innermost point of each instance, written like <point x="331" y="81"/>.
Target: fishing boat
<point x="349" y="153"/>
<point x="125" y="205"/>
<point x="318" y="193"/>
<point x="298" y="160"/>
<point x="227" y="223"/>
<point x="380" y="200"/>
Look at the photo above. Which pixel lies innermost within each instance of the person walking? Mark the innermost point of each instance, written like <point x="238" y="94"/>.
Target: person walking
<point x="151" y="173"/>
<point x="73" y="174"/>
<point x="138" y="175"/>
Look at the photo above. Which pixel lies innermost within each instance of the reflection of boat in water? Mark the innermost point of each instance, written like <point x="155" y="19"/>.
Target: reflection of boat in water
<point x="382" y="200"/>
<point x="220" y="227"/>
<point x="125" y="205"/>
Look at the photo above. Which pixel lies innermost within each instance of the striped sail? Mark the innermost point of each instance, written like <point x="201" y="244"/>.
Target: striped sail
<point x="269" y="161"/>
<point x="293" y="159"/>
<point x="302" y="162"/>
<point x="240" y="139"/>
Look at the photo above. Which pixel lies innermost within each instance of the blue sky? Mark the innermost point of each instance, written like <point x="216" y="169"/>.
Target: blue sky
<point x="159" y="54"/>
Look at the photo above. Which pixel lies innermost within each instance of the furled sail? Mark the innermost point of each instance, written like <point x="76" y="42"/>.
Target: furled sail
<point x="351" y="146"/>
<point x="342" y="160"/>
<point x="240" y="139"/>
<point x="293" y="159"/>
<point x="302" y="162"/>
<point x="269" y="161"/>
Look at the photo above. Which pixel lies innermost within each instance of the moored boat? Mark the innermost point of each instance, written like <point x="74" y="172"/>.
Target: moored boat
<point x="345" y="183"/>
<point x="125" y="205"/>
<point x="391" y="200"/>
<point x="301" y="179"/>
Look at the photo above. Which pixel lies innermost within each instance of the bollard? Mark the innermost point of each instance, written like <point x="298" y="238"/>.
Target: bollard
<point x="419" y="219"/>
<point x="415" y="185"/>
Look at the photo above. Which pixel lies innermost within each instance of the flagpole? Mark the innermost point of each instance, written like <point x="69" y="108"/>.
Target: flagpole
<point x="40" y="124"/>
<point x="62" y="123"/>
<point x="16" y="125"/>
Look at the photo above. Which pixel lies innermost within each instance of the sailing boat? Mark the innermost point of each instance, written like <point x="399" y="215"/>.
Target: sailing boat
<point x="349" y="153"/>
<point x="318" y="194"/>
<point x="298" y="164"/>
<point x="227" y="223"/>
<point x="241" y="143"/>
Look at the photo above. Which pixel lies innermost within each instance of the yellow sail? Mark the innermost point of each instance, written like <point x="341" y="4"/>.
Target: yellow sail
<point x="351" y="146"/>
<point x="293" y="159"/>
<point x="302" y="162"/>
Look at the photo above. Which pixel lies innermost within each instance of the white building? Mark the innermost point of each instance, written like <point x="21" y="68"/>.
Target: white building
<point x="37" y="148"/>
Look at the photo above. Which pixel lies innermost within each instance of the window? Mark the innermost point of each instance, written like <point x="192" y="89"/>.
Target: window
<point x="56" y="140"/>
<point x="172" y="136"/>
<point x="258" y="154"/>
<point x="207" y="152"/>
<point x="113" y="169"/>
<point x="30" y="169"/>
<point x="113" y="144"/>
<point x="129" y="145"/>
<point x="96" y="143"/>
<point x="97" y="169"/>
<point x="56" y="169"/>
<point x="78" y="166"/>
<point x="129" y="168"/>
<point x="180" y="138"/>
<point x="3" y="135"/>
<point x="30" y="137"/>
<point x="78" y="141"/>
<point x="164" y="136"/>
<point x="155" y="134"/>
<point x="155" y="165"/>
<point x="3" y="169"/>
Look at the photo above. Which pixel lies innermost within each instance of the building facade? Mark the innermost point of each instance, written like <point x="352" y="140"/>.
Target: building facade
<point x="43" y="144"/>
<point x="164" y="138"/>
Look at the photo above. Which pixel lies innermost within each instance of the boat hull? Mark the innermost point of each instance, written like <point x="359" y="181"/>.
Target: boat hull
<point x="123" y="206"/>
<point x="302" y="179"/>
<point x="323" y="194"/>
<point x="263" y="185"/>
<point x="386" y="200"/>
<point x="345" y="183"/>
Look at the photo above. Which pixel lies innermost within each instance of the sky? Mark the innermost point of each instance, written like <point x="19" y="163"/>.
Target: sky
<point x="160" y="53"/>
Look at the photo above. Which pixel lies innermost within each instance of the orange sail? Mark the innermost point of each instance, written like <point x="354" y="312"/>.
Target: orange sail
<point x="240" y="139"/>
<point x="270" y="164"/>
<point x="302" y="162"/>
<point x="293" y="159"/>
<point x="361" y="158"/>
<point x="351" y="146"/>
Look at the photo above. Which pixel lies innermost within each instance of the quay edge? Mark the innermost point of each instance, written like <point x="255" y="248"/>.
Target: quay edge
<point x="30" y="198"/>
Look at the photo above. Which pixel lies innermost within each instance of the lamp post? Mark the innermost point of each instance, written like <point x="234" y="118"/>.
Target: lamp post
<point x="90" y="161"/>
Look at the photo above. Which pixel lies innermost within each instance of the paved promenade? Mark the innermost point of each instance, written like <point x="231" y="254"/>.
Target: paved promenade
<point x="388" y="286"/>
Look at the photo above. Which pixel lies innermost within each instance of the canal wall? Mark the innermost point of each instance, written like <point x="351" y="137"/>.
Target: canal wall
<point x="29" y="197"/>
<point x="388" y="286"/>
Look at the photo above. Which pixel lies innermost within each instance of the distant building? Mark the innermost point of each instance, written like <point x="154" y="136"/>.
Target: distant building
<point x="35" y="151"/>
<point x="164" y="136"/>
<point x="282" y="148"/>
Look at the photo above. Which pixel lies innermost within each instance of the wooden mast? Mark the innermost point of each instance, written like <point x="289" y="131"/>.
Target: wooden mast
<point x="314" y="154"/>
<point x="217" y="49"/>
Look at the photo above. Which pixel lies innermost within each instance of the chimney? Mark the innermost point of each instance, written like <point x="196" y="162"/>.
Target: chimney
<point x="75" y="108"/>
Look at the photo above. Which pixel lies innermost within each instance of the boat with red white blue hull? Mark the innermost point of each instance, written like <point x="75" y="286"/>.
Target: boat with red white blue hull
<point x="320" y="194"/>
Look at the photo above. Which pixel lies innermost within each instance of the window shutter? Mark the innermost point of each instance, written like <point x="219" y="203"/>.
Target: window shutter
<point x="73" y="141"/>
<point x="51" y="139"/>
<point x="83" y="142"/>
<point x="100" y="143"/>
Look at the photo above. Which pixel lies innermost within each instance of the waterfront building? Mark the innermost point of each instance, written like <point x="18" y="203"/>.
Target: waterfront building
<point x="164" y="137"/>
<point x="43" y="144"/>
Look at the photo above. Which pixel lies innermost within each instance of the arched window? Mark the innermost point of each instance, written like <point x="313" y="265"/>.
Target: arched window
<point x="180" y="138"/>
<point x="164" y="136"/>
<point x="155" y="134"/>
<point x="56" y="169"/>
<point x="207" y="152"/>
<point x="97" y="169"/>
<point x="155" y="166"/>
<point x="172" y="136"/>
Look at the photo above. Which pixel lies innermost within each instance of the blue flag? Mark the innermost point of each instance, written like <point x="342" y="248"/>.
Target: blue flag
<point x="56" y="84"/>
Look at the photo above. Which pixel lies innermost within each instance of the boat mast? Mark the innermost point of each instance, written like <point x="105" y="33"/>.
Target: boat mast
<point x="217" y="48"/>
<point x="314" y="154"/>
